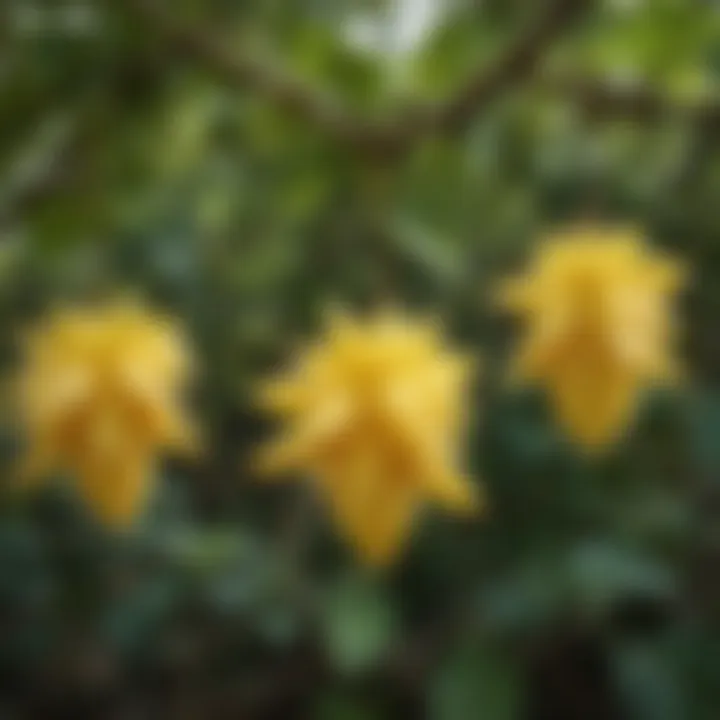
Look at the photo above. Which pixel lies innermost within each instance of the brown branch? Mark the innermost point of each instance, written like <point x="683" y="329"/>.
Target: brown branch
<point x="518" y="63"/>
<point x="636" y="101"/>
<point x="380" y="137"/>
<point x="242" y="71"/>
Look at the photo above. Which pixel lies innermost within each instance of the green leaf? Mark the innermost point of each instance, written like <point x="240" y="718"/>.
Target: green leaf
<point x="705" y="430"/>
<point x="600" y="573"/>
<point x="359" y="624"/>
<point x="132" y="620"/>
<point x="649" y="681"/>
<point x="208" y="551"/>
<point x="529" y="597"/>
<point x="337" y="706"/>
<point x="435" y="254"/>
<point x="477" y="681"/>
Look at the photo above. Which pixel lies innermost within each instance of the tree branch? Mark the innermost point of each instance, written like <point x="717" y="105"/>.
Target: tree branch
<point x="383" y="137"/>
<point x="241" y="71"/>
<point x="518" y="63"/>
<point x="603" y="99"/>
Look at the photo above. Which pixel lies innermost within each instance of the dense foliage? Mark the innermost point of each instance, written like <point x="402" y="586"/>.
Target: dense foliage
<point x="245" y="163"/>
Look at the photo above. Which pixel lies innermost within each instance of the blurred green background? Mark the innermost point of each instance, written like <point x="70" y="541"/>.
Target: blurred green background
<point x="245" y="162"/>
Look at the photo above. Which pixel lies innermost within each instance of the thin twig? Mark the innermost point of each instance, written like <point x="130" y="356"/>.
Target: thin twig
<point x="47" y="178"/>
<point x="635" y="101"/>
<point x="57" y="166"/>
